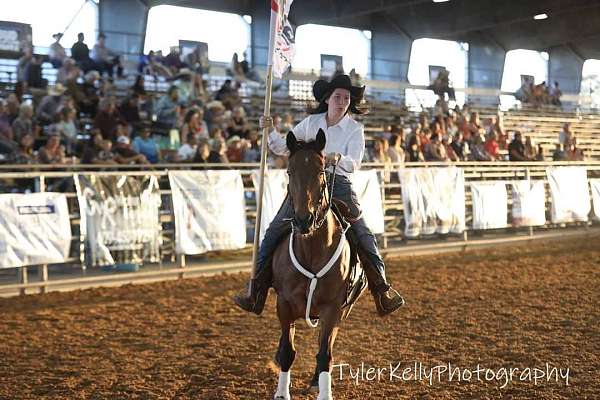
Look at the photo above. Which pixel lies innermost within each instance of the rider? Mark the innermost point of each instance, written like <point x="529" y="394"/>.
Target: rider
<point x="346" y="142"/>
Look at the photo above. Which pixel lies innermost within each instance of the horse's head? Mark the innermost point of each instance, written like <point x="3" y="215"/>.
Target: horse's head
<point x="307" y="183"/>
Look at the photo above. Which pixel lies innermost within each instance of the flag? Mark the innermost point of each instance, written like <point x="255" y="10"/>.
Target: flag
<point x="282" y="46"/>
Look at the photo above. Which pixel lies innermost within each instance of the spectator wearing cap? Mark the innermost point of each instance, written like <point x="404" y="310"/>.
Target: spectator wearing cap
<point x="57" y="53"/>
<point x="52" y="152"/>
<point x="168" y="109"/>
<point x="105" y="59"/>
<point x="124" y="154"/>
<point x="146" y="145"/>
<point x="235" y="149"/>
<point x="107" y="119"/>
<point x="49" y="105"/>
<point x="80" y="52"/>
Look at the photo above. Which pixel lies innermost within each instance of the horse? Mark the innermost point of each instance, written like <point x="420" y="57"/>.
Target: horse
<point x="312" y="266"/>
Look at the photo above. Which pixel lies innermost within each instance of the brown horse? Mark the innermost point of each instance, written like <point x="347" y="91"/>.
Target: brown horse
<point x="311" y="267"/>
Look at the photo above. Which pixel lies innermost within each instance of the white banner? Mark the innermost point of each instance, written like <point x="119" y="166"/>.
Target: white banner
<point x="529" y="203"/>
<point x="367" y="189"/>
<point x="119" y="218"/>
<point x="595" y="184"/>
<point x="490" y="205"/>
<point x="34" y="229"/>
<point x="570" y="194"/>
<point x="283" y="49"/>
<point x="434" y="200"/>
<point x="209" y="209"/>
<point x="275" y="190"/>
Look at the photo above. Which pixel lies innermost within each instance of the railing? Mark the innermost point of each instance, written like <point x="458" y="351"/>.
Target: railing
<point x="42" y="178"/>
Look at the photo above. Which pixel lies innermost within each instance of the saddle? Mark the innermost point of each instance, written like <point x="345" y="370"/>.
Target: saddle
<point x="357" y="279"/>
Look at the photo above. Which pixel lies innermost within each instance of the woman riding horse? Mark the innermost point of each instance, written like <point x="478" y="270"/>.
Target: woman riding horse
<point x="346" y="143"/>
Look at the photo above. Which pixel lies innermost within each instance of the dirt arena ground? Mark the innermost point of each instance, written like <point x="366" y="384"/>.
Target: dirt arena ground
<point x="516" y="307"/>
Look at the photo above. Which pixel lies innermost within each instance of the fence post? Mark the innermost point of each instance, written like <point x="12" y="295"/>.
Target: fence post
<point x="43" y="269"/>
<point x="382" y="189"/>
<point x="528" y="178"/>
<point x="181" y="265"/>
<point x="23" y="280"/>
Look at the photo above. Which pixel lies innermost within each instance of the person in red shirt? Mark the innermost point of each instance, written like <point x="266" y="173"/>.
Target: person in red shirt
<point x="492" y="147"/>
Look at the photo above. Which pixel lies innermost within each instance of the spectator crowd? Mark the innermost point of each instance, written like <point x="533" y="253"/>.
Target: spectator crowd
<point x="84" y="118"/>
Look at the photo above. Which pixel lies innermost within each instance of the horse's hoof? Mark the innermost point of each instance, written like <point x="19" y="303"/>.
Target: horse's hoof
<point x="282" y="398"/>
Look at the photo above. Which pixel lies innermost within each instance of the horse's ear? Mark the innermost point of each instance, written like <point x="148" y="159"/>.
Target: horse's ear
<point x="320" y="141"/>
<point x="291" y="142"/>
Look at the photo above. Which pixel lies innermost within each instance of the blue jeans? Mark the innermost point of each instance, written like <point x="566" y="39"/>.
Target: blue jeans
<point x="342" y="190"/>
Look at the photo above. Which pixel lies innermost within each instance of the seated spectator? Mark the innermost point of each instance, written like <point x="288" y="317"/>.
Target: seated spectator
<point x="106" y="156"/>
<point x="168" y="109"/>
<point x="555" y="95"/>
<point x="435" y="151"/>
<point x="197" y="60"/>
<point x="146" y="145"/>
<point x="24" y="151"/>
<point x="516" y="149"/>
<point x="12" y="107"/>
<point x="474" y="127"/>
<point x="124" y="154"/>
<point x="57" y="54"/>
<point x="130" y="111"/>
<point x="449" y="151"/>
<point x="86" y="95"/>
<point x="49" y="105"/>
<point x="525" y="92"/>
<point x="93" y="148"/>
<point x="238" y="125"/>
<point x="105" y="59"/>
<point x="8" y="145"/>
<point x="214" y="115"/>
<point x="235" y="149"/>
<point x="187" y="151"/>
<point x="559" y="154"/>
<point x="68" y="72"/>
<point x="573" y="153"/>
<point x="413" y="149"/>
<point x="540" y="153"/>
<point x="218" y="152"/>
<point x="478" y="152"/>
<point x="107" y="119"/>
<point x="491" y="147"/>
<point x="52" y="152"/>
<point x="194" y="125"/>
<point x="66" y="128"/>
<point x="566" y="135"/>
<point x="139" y="86"/>
<point x="395" y="150"/>
<point x="5" y="123"/>
<point x="228" y="94"/>
<point x="530" y="149"/>
<point x="496" y="128"/>
<point x="379" y="152"/>
<point x="23" y="125"/>
<point x="252" y="148"/>
<point x="80" y="52"/>
<point x="460" y="147"/>
<point x="202" y="152"/>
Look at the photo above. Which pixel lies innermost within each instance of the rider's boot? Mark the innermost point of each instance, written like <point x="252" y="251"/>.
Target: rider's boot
<point x="387" y="299"/>
<point x="258" y="289"/>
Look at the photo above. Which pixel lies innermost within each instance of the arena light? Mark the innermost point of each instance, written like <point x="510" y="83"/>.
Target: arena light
<point x="440" y="1"/>
<point x="540" y="16"/>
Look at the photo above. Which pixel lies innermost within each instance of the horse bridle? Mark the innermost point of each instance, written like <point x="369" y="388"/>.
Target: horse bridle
<point x="318" y="223"/>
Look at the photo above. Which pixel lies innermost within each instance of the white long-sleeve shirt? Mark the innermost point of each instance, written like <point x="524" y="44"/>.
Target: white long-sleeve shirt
<point x="347" y="137"/>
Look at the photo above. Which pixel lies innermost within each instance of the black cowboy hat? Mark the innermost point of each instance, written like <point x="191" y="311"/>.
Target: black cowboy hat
<point x="322" y="88"/>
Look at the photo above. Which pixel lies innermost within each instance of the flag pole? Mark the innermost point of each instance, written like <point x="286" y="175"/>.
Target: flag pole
<point x="265" y="136"/>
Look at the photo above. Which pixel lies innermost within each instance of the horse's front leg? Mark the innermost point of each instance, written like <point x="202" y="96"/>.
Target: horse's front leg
<point x="330" y="317"/>
<point x="286" y="352"/>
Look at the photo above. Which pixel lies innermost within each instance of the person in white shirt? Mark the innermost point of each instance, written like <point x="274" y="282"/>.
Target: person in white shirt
<point x="57" y="53"/>
<point x="345" y="141"/>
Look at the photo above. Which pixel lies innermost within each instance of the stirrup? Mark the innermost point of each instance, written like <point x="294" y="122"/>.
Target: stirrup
<point x="387" y="301"/>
